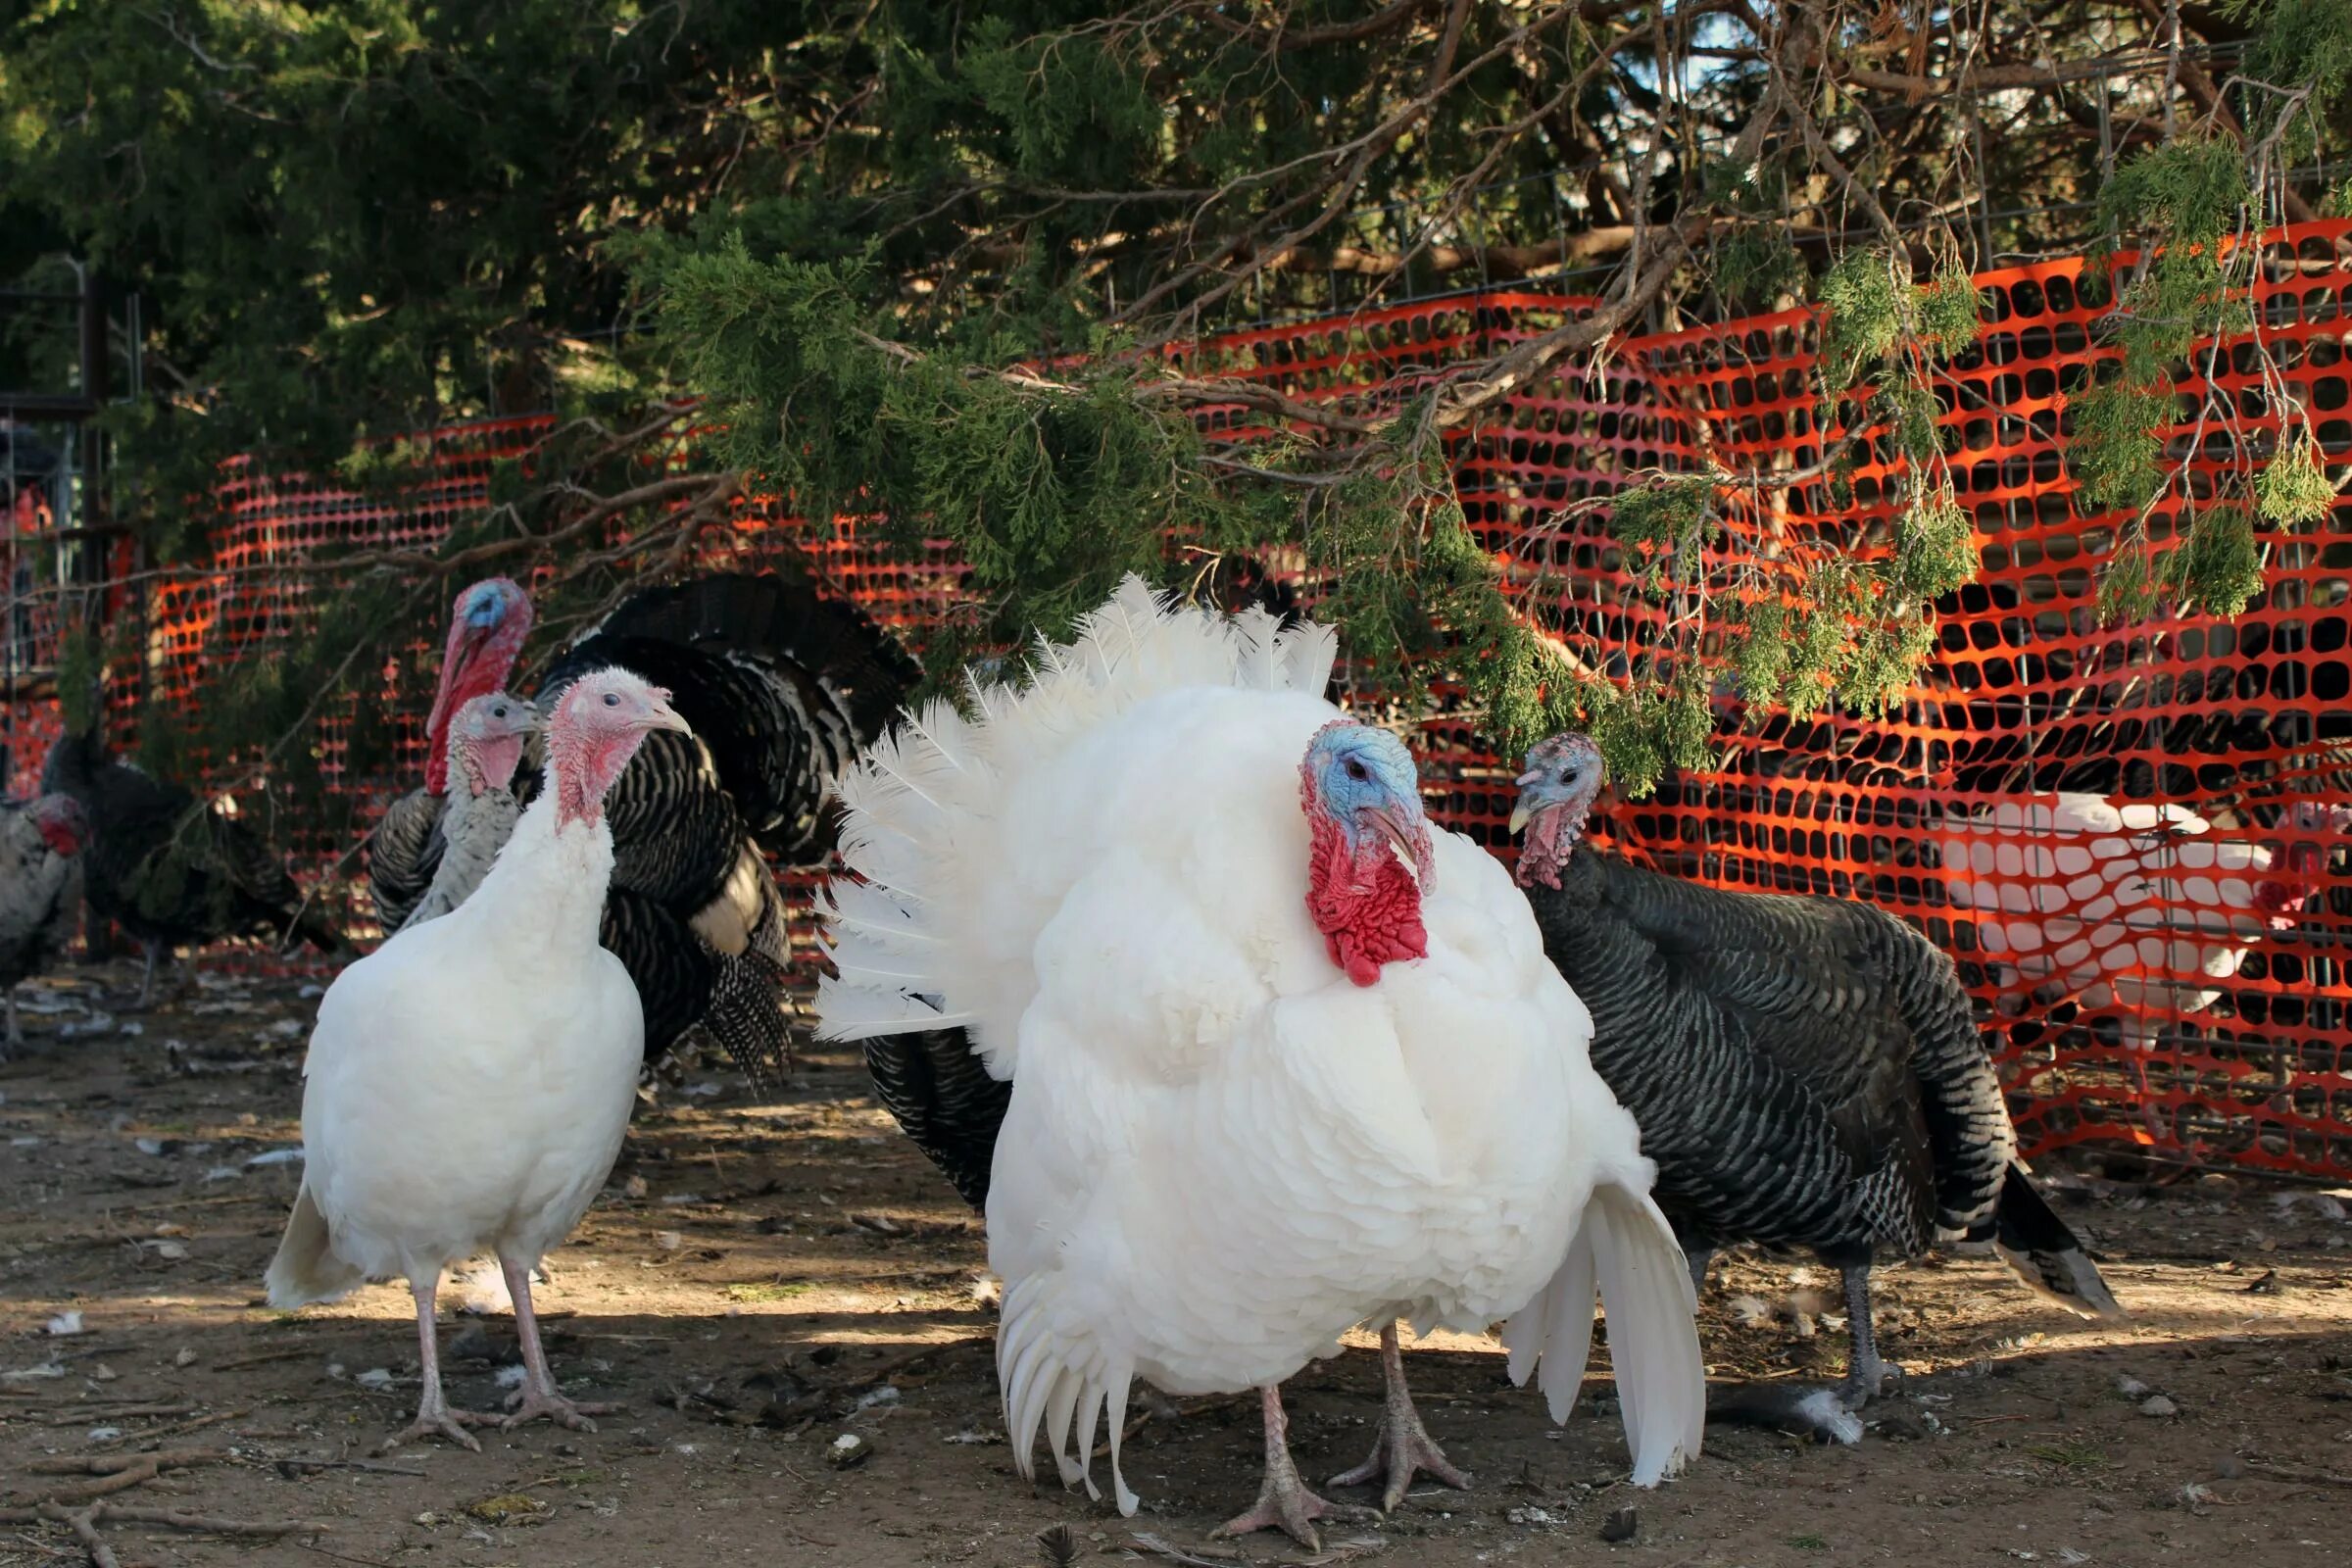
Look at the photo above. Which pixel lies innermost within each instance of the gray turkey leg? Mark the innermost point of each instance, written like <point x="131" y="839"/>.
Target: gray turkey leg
<point x="1403" y="1445"/>
<point x="1698" y="1263"/>
<point x="434" y="1417"/>
<point x="1282" y="1503"/>
<point x="16" y="1030"/>
<point x="1866" y="1374"/>
<point x="538" y="1395"/>
<point x="147" y="979"/>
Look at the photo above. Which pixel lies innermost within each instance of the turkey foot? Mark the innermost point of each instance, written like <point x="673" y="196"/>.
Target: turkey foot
<point x="529" y="1404"/>
<point x="1867" y="1375"/>
<point x="538" y="1397"/>
<point x="1283" y="1503"/>
<point x="1403" y="1445"/>
<point x="445" y="1422"/>
<point x="434" y="1417"/>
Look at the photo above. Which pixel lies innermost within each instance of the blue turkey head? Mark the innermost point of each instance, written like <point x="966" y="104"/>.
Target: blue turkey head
<point x="1363" y="781"/>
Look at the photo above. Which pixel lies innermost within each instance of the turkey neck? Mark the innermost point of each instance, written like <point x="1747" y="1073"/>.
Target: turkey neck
<point x="550" y="880"/>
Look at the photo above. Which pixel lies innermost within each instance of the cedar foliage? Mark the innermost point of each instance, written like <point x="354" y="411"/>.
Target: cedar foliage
<point x="952" y="265"/>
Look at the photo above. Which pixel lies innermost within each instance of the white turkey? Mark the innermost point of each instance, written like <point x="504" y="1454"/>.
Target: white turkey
<point x="2136" y="907"/>
<point x="485" y="742"/>
<point x="40" y="891"/>
<point x="470" y="1082"/>
<point x="1283" y="1059"/>
<point x="1807" y="1073"/>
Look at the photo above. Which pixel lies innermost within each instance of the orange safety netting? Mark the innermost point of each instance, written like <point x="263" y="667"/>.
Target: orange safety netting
<point x="2129" y="838"/>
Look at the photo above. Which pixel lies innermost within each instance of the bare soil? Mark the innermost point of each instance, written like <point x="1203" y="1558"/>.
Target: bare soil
<point x="763" y="1280"/>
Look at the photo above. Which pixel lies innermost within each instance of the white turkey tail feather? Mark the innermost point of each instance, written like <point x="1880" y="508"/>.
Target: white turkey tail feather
<point x="1553" y="1333"/>
<point x="1257" y="651"/>
<point x="846" y="1011"/>
<point x="305" y="1268"/>
<point x="1624" y="1246"/>
<point x="871" y="913"/>
<point x="1308" y="652"/>
<point x="1044" y="1390"/>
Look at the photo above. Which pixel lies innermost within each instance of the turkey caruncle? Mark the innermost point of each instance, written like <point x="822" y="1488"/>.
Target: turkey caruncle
<point x="782" y="686"/>
<point x="1806" y="1072"/>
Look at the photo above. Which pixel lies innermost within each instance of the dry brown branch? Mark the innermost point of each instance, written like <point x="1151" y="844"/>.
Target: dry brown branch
<point x="1350" y="162"/>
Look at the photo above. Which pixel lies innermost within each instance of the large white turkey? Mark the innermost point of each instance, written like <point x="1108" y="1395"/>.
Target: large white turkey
<point x="470" y="1082"/>
<point x="2136" y="907"/>
<point x="1284" y="1059"/>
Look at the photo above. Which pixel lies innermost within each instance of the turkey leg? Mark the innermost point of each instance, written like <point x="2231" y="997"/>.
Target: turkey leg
<point x="1282" y="1503"/>
<point x="538" y="1395"/>
<point x="434" y="1417"/>
<point x="147" y="978"/>
<point x="16" y="1031"/>
<point x="1403" y="1445"/>
<point x="1698" y="1261"/>
<point x="1866" y="1375"/>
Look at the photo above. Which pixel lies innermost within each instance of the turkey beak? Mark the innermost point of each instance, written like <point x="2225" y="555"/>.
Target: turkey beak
<point x="1410" y="835"/>
<point x="1524" y="812"/>
<point x="663" y="717"/>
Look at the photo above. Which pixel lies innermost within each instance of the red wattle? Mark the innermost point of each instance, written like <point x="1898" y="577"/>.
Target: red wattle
<point x="1367" y="906"/>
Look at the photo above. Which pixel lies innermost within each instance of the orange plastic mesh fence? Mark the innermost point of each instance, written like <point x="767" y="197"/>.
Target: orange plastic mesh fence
<point x="2129" y="838"/>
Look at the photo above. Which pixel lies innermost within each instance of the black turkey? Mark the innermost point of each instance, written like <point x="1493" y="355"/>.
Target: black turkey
<point x="41" y="890"/>
<point x="782" y="687"/>
<point x="1806" y="1071"/>
<point x="172" y="871"/>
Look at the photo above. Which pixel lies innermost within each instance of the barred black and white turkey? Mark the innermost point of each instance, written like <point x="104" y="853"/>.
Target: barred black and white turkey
<point x="169" y="870"/>
<point x="1806" y="1072"/>
<point x="782" y="687"/>
<point x="487" y="626"/>
<point x="40" y="891"/>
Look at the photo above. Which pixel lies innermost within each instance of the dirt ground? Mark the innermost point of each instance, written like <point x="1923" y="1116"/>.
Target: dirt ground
<point x="762" y="1281"/>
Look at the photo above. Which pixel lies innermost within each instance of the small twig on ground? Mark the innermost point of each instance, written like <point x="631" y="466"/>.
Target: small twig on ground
<point x="2296" y="1472"/>
<point x="181" y="1428"/>
<point x="294" y="1469"/>
<point x="286" y="1355"/>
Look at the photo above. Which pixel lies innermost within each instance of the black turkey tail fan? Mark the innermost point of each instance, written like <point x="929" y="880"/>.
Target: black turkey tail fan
<point x="1970" y="1140"/>
<point x="782" y="686"/>
<point x="746" y="1012"/>
<point x="672" y="968"/>
<point x="945" y="1102"/>
<point x="2043" y="1252"/>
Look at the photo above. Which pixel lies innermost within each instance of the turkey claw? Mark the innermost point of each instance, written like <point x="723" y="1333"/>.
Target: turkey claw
<point x="450" y="1424"/>
<point x="529" y="1404"/>
<point x="1291" y="1509"/>
<point x="1398" y="1454"/>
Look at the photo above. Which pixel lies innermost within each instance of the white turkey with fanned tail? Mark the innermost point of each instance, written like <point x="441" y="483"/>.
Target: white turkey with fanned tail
<point x="1284" y="1059"/>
